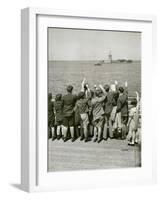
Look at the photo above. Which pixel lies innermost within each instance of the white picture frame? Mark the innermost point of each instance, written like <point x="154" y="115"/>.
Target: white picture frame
<point x="34" y="176"/>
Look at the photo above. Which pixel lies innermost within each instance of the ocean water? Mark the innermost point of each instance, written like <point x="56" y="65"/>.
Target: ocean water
<point x="63" y="73"/>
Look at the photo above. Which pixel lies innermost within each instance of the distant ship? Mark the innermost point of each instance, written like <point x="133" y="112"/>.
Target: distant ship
<point x="105" y="61"/>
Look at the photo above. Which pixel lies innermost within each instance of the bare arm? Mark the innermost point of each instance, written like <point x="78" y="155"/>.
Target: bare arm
<point x="137" y="98"/>
<point x="82" y="84"/>
<point x="103" y="90"/>
<point x="126" y="88"/>
<point x="88" y="92"/>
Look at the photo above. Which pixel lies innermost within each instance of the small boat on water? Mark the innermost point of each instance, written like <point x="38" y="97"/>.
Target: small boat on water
<point x="99" y="63"/>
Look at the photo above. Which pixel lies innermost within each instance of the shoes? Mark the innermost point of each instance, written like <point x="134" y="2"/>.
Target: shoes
<point x="95" y="140"/>
<point x="73" y="139"/>
<point x="65" y="139"/>
<point x="131" y="144"/>
<point x="53" y="138"/>
<point x="58" y="137"/>
<point x="98" y="141"/>
<point x="81" y="138"/>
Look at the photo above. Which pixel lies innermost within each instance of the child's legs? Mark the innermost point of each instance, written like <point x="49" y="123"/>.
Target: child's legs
<point x="64" y="131"/>
<point x="129" y="136"/>
<point x="71" y="125"/>
<point x="72" y="131"/>
<point x="95" y="132"/>
<point x="115" y="124"/>
<point x="99" y="132"/>
<point x="86" y="131"/>
<point x="77" y="131"/>
<point x="119" y="121"/>
<point x="133" y="137"/>
<point x="110" y="128"/>
<point x="91" y="130"/>
<point x="85" y="122"/>
<point x="49" y="132"/>
<point x="53" y="132"/>
<point x="106" y="125"/>
<point x="58" y="130"/>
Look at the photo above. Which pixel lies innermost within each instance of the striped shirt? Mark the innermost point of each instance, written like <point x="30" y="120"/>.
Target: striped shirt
<point x="97" y="107"/>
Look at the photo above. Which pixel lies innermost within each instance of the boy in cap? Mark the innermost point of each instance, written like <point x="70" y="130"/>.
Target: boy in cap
<point x="122" y="110"/>
<point x="51" y="118"/>
<point x="109" y="104"/>
<point x="69" y="101"/>
<point x="58" y="107"/>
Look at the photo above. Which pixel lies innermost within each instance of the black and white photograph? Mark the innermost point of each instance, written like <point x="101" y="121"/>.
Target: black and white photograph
<point x="94" y="99"/>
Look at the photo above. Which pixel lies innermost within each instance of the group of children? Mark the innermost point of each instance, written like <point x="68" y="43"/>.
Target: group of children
<point x="94" y="114"/>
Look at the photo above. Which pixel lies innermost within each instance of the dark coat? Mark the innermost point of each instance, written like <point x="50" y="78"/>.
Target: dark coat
<point x="122" y="104"/>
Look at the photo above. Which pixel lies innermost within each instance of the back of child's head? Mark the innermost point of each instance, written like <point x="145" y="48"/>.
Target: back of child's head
<point x="81" y="95"/>
<point x="58" y="97"/>
<point x="92" y="93"/>
<point x="113" y="87"/>
<point x="107" y="88"/>
<point x="49" y="96"/>
<point x="134" y="102"/>
<point x="121" y="89"/>
<point x="85" y="86"/>
<point x="69" y="88"/>
<point x="98" y="92"/>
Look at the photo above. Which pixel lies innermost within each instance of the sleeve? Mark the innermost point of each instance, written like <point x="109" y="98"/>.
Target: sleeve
<point x="75" y="107"/>
<point x="118" y="105"/>
<point x="131" y="112"/>
<point x="101" y="99"/>
<point x="126" y="91"/>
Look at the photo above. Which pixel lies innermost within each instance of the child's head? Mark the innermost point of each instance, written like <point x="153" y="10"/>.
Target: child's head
<point x="121" y="90"/>
<point x="113" y="87"/>
<point x="134" y="102"/>
<point x="49" y="96"/>
<point x="81" y="95"/>
<point x="92" y="93"/>
<point x="58" y="97"/>
<point x="85" y="86"/>
<point x="69" y="88"/>
<point x="107" y="88"/>
<point x="98" y="92"/>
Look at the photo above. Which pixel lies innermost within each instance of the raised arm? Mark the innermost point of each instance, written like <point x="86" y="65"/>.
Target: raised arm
<point x="103" y="90"/>
<point x="82" y="84"/>
<point x="116" y="86"/>
<point x="88" y="92"/>
<point x="101" y="99"/>
<point x="126" y="88"/>
<point x="137" y="98"/>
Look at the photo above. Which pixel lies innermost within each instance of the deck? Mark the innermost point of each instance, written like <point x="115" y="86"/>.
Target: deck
<point x="113" y="153"/>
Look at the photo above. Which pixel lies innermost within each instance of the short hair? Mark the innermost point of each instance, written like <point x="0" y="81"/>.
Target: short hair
<point x="58" y="97"/>
<point x="107" y="88"/>
<point x="98" y="92"/>
<point x="121" y="89"/>
<point x="92" y="93"/>
<point x="134" y="102"/>
<point x="69" y="88"/>
<point x="85" y="86"/>
<point x="81" y="95"/>
<point x="49" y="96"/>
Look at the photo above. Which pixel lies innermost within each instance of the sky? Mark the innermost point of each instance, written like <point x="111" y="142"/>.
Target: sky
<point x="78" y="44"/>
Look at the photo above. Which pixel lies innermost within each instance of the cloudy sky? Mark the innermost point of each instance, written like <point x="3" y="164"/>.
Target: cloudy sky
<point x="73" y="44"/>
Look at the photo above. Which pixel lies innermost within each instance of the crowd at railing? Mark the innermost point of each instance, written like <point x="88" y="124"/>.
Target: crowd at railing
<point x="95" y="114"/>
